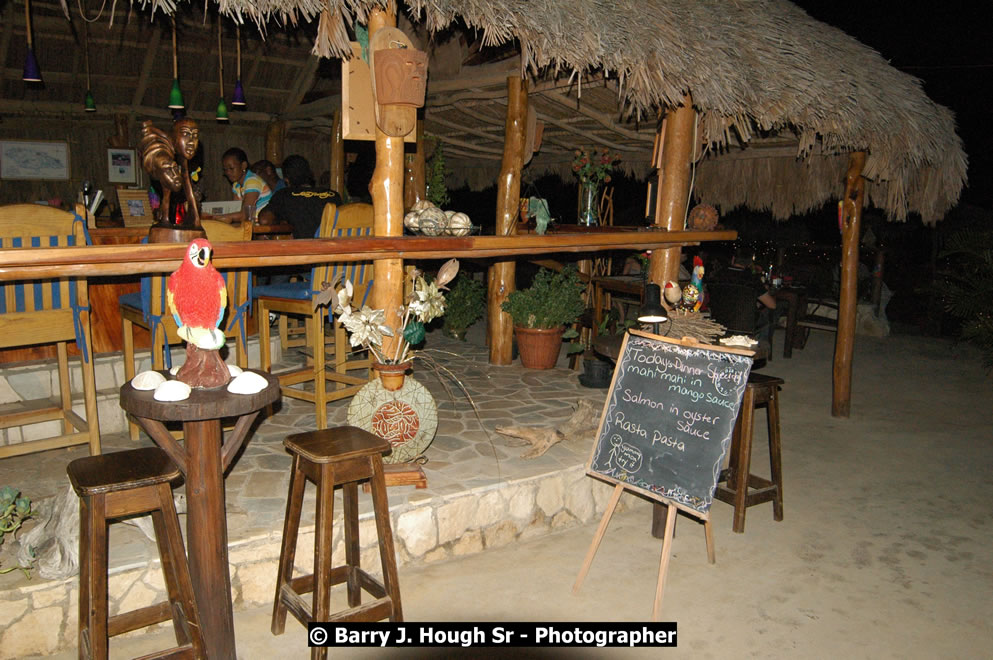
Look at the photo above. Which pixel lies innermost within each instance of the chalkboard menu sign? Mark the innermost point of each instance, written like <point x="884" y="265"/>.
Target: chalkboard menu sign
<point x="668" y="418"/>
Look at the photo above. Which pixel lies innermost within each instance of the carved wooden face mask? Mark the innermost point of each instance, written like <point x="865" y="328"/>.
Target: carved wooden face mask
<point x="401" y="76"/>
<point x="186" y="138"/>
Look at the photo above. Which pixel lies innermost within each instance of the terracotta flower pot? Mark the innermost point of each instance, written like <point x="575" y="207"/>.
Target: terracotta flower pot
<point x="391" y="375"/>
<point x="539" y="347"/>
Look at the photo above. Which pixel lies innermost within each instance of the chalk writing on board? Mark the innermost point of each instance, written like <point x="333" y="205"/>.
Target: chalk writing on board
<point x="669" y="418"/>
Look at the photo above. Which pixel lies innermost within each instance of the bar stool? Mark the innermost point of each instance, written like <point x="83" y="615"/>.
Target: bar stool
<point x="762" y="390"/>
<point x="122" y="484"/>
<point x="331" y="457"/>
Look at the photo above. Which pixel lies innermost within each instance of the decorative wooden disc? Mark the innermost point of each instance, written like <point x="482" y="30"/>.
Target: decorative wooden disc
<point x="407" y="418"/>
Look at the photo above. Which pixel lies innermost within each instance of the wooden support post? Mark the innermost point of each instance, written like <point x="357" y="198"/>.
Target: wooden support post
<point x="386" y="189"/>
<point x="275" y="132"/>
<point x="337" y="155"/>
<point x="500" y="329"/>
<point x="675" y="186"/>
<point x="844" y="346"/>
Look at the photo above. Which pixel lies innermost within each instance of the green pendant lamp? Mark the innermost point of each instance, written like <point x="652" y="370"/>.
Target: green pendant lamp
<point x="88" y="104"/>
<point x="222" y="107"/>
<point x="175" y="95"/>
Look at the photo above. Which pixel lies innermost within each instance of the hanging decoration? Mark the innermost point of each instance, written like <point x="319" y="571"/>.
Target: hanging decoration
<point x="175" y="95"/>
<point x="89" y="103"/>
<point x="222" y="107"/>
<point x="238" y="98"/>
<point x="32" y="73"/>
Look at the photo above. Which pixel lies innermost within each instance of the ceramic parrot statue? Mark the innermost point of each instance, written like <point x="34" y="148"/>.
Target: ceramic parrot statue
<point x="196" y="296"/>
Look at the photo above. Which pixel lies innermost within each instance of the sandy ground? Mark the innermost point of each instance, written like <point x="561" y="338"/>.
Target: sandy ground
<point x="885" y="550"/>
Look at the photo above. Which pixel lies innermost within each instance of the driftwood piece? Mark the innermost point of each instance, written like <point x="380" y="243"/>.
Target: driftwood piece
<point x="541" y="438"/>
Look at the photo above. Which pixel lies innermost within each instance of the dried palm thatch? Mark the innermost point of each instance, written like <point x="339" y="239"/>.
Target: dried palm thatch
<point x="754" y="68"/>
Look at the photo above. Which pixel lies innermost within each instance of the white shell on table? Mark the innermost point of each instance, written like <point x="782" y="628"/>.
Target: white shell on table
<point x="235" y="370"/>
<point x="422" y="204"/>
<point x="459" y="224"/>
<point x="147" y="380"/>
<point x="248" y="382"/>
<point x="174" y="370"/>
<point x="172" y="390"/>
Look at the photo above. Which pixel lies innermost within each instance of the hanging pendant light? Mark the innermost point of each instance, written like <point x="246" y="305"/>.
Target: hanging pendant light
<point x="175" y="95"/>
<point x="238" y="98"/>
<point x="88" y="103"/>
<point x="32" y="73"/>
<point x="222" y="107"/>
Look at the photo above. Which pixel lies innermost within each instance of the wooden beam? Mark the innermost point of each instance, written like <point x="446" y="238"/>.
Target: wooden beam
<point x="303" y="83"/>
<point x="8" y="30"/>
<point x="844" y="346"/>
<point x="146" y="67"/>
<point x="98" y="260"/>
<point x="605" y="120"/>
<point x="75" y="108"/>
<point x="502" y="275"/>
<point x="674" y="187"/>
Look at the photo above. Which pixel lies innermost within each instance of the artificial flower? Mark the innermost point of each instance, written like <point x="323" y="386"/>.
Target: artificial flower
<point x="368" y="327"/>
<point x="430" y="303"/>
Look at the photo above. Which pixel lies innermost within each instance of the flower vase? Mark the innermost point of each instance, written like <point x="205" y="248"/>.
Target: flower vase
<point x="391" y="375"/>
<point x="588" y="211"/>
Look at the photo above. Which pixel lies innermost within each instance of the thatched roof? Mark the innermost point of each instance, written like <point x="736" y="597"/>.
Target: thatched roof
<point x="781" y="97"/>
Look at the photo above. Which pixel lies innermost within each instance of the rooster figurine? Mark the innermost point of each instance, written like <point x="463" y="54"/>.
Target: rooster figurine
<point x="197" y="297"/>
<point x="693" y="292"/>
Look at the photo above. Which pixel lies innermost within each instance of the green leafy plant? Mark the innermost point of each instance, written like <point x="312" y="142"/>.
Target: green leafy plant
<point x="554" y="299"/>
<point x="436" y="171"/>
<point x="464" y="304"/>
<point x="968" y="290"/>
<point x="14" y="510"/>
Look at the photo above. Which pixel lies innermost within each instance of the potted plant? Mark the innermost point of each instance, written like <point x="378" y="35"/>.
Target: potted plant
<point x="464" y="306"/>
<point x="597" y="371"/>
<point x="541" y="312"/>
<point x="14" y="510"/>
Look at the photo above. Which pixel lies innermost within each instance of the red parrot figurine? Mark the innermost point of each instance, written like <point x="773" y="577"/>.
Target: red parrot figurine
<point x="197" y="297"/>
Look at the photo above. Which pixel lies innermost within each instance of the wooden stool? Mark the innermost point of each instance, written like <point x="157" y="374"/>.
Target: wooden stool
<point x="761" y="390"/>
<point x="127" y="483"/>
<point x="330" y="457"/>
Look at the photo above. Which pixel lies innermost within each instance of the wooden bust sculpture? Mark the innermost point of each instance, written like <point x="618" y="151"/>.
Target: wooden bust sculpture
<point x="158" y="158"/>
<point x="166" y="158"/>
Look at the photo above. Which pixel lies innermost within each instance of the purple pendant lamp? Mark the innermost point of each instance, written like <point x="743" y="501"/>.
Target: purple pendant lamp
<point x="32" y="73"/>
<point x="238" y="98"/>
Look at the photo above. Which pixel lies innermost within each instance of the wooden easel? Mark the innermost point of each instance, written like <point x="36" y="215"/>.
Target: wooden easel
<point x="670" y="527"/>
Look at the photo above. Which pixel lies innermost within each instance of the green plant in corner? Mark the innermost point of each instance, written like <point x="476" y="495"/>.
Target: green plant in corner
<point x="14" y="510"/>
<point x="465" y="303"/>
<point x="554" y="299"/>
<point x="436" y="189"/>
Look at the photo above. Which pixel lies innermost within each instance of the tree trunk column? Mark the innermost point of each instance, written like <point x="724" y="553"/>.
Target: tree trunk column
<point x="415" y="184"/>
<point x="386" y="189"/>
<point x="674" y="187"/>
<point x="844" y="347"/>
<point x="275" y="133"/>
<point x="337" y="169"/>
<point x="500" y="330"/>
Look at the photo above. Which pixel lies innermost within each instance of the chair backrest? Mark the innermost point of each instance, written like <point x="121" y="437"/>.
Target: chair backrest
<point x="346" y="221"/>
<point x="733" y="306"/>
<point x="222" y="232"/>
<point x="35" y="225"/>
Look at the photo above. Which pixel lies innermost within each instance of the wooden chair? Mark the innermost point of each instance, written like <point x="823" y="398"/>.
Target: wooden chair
<point x="147" y="309"/>
<point x="46" y="312"/>
<point x="294" y="298"/>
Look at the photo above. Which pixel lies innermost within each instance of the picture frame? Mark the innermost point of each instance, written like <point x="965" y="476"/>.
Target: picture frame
<point x="136" y="211"/>
<point x="121" y="166"/>
<point x="45" y="160"/>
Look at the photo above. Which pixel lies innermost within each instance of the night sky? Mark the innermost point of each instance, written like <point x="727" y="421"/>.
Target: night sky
<point x="947" y="45"/>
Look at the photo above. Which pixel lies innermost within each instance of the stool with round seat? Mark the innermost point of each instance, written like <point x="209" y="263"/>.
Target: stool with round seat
<point x="116" y="485"/>
<point x="341" y="456"/>
<point x="743" y="489"/>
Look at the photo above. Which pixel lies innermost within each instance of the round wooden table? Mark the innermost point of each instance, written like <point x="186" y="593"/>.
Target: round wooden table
<point x="203" y="462"/>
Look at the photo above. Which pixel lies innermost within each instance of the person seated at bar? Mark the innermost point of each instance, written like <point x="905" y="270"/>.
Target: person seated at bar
<point x="246" y="185"/>
<point x="741" y="272"/>
<point x="300" y="204"/>
<point x="267" y="171"/>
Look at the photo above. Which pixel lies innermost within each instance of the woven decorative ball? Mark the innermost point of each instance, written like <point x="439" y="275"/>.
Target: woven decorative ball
<point x="703" y="217"/>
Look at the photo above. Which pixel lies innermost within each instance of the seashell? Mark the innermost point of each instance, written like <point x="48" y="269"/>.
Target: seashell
<point x="459" y="224"/>
<point x="172" y="390"/>
<point x="248" y="382"/>
<point x="433" y="222"/>
<point x="147" y="380"/>
<point x="174" y="370"/>
<point x="422" y="204"/>
<point x="411" y="220"/>
<point x="235" y="370"/>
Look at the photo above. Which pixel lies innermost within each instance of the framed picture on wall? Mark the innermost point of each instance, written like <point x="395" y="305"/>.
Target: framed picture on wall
<point x="135" y="208"/>
<point x="39" y="159"/>
<point x="121" y="165"/>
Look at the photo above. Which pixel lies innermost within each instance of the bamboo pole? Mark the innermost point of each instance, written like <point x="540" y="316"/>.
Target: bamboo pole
<point x="674" y="187"/>
<point x="502" y="275"/>
<point x="386" y="189"/>
<point x="413" y="170"/>
<point x="337" y="155"/>
<point x="275" y="133"/>
<point x="844" y="346"/>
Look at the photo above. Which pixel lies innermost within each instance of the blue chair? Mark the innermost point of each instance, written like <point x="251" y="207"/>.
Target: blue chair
<point x="51" y="311"/>
<point x="295" y="299"/>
